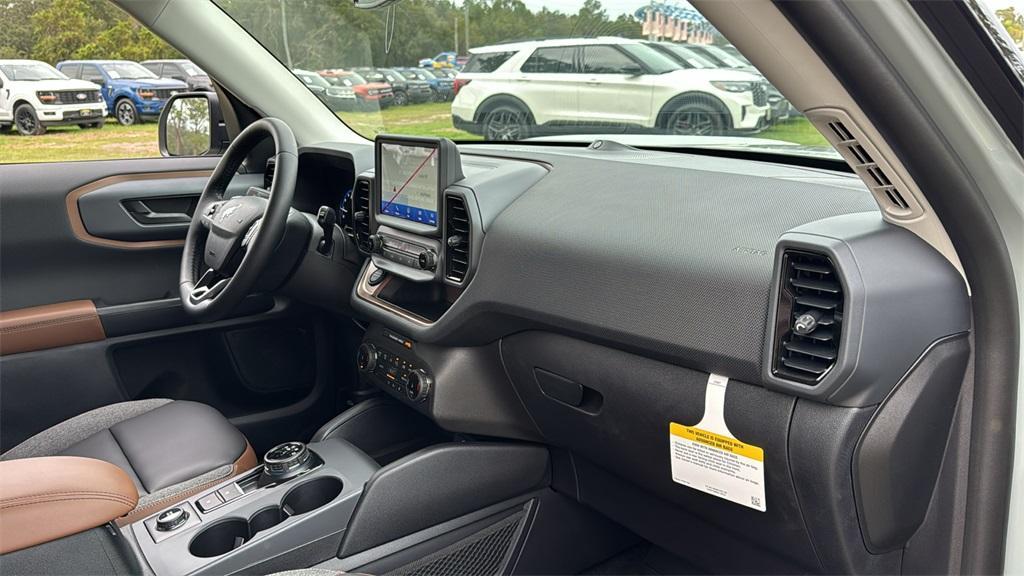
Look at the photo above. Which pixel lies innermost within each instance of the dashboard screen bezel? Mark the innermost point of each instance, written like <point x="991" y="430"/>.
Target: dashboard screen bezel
<point x="442" y="178"/>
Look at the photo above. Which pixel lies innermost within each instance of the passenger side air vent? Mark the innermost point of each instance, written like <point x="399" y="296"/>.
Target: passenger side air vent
<point x="809" y="320"/>
<point x="361" y="214"/>
<point x="874" y="172"/>
<point x="456" y="239"/>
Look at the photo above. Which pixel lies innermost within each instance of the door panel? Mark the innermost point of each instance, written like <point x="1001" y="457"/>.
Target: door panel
<point x="107" y="236"/>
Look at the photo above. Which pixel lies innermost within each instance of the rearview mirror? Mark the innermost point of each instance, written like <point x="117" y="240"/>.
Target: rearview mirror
<point x="191" y="125"/>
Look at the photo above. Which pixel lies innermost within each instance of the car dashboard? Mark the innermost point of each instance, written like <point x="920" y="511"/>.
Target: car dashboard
<point x="583" y="298"/>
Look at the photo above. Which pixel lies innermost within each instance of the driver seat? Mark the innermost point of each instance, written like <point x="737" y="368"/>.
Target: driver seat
<point x="171" y="449"/>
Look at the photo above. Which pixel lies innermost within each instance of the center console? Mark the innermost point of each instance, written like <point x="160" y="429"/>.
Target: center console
<point x="299" y="501"/>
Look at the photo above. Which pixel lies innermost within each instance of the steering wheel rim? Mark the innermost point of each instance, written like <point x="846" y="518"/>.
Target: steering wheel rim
<point x="231" y="240"/>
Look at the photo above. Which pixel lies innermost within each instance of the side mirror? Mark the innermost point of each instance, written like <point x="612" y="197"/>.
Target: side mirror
<point x="191" y="124"/>
<point x="632" y="70"/>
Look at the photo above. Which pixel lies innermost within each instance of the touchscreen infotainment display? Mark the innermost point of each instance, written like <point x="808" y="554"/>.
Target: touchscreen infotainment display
<point x="409" y="182"/>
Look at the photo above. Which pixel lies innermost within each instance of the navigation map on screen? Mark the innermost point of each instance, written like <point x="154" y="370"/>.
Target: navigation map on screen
<point x="409" y="182"/>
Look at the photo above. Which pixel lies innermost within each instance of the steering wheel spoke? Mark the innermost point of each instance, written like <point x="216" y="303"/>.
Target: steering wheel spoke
<point x="209" y="213"/>
<point x="208" y="287"/>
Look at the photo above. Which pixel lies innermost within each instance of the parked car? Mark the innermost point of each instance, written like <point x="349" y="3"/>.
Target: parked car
<point x="35" y="95"/>
<point x="520" y="89"/>
<point x="445" y="73"/>
<point x="337" y="98"/>
<point x="403" y="89"/>
<point x="722" y="58"/>
<point x="444" y="60"/>
<point x="442" y="88"/>
<point x="132" y="93"/>
<point x="368" y="95"/>
<point x="184" y="70"/>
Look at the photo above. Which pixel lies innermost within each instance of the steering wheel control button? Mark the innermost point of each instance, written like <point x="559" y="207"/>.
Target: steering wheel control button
<point x="230" y="492"/>
<point x="171" y="519"/>
<point x="209" y="502"/>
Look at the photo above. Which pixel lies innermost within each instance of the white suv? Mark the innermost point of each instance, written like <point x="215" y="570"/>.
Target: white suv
<point x="34" y="95"/>
<point x="514" y="91"/>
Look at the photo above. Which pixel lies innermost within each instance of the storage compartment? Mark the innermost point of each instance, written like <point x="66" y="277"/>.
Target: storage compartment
<point x="223" y="537"/>
<point x="311" y="495"/>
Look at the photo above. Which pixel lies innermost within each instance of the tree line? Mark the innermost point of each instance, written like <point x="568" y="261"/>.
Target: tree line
<point x="320" y="33"/>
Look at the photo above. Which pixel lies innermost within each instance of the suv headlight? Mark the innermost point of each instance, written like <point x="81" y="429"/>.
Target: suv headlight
<point x="146" y="93"/>
<point x="734" y="86"/>
<point x="46" y="97"/>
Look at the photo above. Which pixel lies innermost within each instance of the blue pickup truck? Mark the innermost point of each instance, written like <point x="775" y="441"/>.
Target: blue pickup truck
<point x="132" y="93"/>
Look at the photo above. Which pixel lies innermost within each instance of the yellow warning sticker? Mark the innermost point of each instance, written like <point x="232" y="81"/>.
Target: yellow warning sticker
<point x="707" y="457"/>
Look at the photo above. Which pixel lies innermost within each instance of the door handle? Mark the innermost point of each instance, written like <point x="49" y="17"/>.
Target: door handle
<point x="144" y="215"/>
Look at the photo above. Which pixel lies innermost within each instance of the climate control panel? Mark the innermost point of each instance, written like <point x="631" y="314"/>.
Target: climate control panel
<point x="391" y="364"/>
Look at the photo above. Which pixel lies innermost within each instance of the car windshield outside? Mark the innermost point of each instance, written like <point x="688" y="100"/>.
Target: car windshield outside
<point x="192" y="70"/>
<point x="646" y="73"/>
<point x="128" y="71"/>
<point x="31" y="72"/>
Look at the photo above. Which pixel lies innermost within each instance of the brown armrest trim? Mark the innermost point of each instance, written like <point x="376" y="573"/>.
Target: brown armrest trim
<point x="43" y="499"/>
<point x="50" y="326"/>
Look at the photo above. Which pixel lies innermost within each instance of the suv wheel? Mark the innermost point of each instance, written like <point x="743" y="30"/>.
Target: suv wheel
<point x="696" y="119"/>
<point x="401" y="99"/>
<point x="506" y="122"/>
<point x="125" y="112"/>
<point x="26" y="121"/>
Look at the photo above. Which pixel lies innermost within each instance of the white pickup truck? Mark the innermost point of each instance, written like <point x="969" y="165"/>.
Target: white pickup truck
<point x="35" y="95"/>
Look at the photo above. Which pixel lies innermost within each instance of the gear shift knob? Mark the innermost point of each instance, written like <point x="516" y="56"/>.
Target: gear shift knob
<point x="286" y="461"/>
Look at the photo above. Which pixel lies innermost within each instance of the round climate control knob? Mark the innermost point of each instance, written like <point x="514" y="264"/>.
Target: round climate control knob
<point x="427" y="260"/>
<point x="286" y="459"/>
<point x="366" y="358"/>
<point x="171" y="519"/>
<point x="417" y="387"/>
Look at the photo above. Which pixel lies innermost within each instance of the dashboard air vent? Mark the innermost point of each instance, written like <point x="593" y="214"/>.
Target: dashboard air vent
<point x="809" y="319"/>
<point x="361" y="214"/>
<point x="456" y="239"/>
<point x="268" y="174"/>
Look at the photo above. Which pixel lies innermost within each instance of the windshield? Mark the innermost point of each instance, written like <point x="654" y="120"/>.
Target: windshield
<point x="31" y="72"/>
<point x="656" y="62"/>
<point x="647" y="74"/>
<point x="193" y="70"/>
<point x="127" y="71"/>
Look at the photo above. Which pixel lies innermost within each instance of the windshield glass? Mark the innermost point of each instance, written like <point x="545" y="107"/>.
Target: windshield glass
<point x="127" y="71"/>
<point x="30" y="72"/>
<point x="193" y="70"/>
<point x="647" y="74"/>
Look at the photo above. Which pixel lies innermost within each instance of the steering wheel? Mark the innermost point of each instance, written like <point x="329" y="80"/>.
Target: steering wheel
<point x="231" y="241"/>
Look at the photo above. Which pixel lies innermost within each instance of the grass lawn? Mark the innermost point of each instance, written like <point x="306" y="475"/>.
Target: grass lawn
<point x="66" y="143"/>
<point x="62" y="144"/>
<point x="797" y="130"/>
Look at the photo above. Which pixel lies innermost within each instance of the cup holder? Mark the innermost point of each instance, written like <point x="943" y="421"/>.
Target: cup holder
<point x="225" y="536"/>
<point x="221" y="538"/>
<point x="311" y="495"/>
